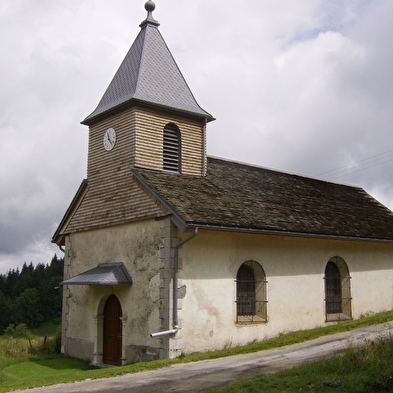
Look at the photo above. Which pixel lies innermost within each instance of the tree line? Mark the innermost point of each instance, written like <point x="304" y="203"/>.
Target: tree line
<point x="31" y="295"/>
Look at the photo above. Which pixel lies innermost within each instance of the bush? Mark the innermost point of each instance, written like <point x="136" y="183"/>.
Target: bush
<point x="17" y="331"/>
<point x="13" y="343"/>
<point x="49" y="345"/>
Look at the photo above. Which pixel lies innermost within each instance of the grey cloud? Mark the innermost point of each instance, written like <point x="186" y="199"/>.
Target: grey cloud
<point x="327" y="110"/>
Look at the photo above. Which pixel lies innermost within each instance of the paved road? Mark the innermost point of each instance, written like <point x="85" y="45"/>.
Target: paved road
<point x="203" y="375"/>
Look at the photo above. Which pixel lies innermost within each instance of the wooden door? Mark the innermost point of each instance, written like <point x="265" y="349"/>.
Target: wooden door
<point x="112" y="345"/>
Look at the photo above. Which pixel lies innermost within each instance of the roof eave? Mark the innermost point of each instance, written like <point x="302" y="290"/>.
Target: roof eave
<point x="100" y="278"/>
<point x="58" y="237"/>
<point x="91" y="119"/>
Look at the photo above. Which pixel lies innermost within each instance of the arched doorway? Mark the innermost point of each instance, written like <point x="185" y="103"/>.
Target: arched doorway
<point x="112" y="340"/>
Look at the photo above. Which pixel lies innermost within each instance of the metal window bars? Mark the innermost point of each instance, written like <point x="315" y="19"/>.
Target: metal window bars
<point x="251" y="301"/>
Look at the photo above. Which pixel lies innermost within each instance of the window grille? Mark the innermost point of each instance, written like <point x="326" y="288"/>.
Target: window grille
<point x="171" y="148"/>
<point x="245" y="291"/>
<point x="337" y="291"/>
<point x="333" y="289"/>
<point x="251" y="290"/>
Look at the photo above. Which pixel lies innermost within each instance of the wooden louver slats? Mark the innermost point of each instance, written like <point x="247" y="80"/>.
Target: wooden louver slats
<point x="171" y="151"/>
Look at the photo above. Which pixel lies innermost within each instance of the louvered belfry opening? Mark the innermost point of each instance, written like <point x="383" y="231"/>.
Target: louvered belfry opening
<point x="171" y="149"/>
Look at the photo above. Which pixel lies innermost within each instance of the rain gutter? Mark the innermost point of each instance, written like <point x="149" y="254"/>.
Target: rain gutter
<point x="284" y="233"/>
<point x="175" y="289"/>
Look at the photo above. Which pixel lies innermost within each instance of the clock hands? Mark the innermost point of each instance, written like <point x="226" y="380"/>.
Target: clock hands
<point x="109" y="139"/>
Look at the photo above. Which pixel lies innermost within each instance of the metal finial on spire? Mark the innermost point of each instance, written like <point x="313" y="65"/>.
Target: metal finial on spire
<point x="150" y="7"/>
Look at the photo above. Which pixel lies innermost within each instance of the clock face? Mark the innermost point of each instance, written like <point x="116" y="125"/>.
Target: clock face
<point x="109" y="139"/>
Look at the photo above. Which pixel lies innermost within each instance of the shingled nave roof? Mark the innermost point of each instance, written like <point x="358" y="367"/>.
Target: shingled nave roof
<point x="150" y="75"/>
<point x="246" y="198"/>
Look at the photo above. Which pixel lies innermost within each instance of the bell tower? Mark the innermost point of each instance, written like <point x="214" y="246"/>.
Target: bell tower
<point x="148" y="117"/>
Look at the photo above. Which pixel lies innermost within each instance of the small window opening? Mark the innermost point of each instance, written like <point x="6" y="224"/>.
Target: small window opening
<point x="171" y="149"/>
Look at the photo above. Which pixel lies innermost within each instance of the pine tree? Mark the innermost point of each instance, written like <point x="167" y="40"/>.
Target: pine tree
<point x="31" y="295"/>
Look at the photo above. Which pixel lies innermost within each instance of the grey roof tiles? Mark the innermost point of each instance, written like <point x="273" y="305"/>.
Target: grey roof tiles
<point x="148" y="74"/>
<point x="103" y="274"/>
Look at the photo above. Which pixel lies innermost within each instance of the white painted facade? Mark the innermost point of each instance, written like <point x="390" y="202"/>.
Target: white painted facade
<point x="208" y="265"/>
<point x="294" y="270"/>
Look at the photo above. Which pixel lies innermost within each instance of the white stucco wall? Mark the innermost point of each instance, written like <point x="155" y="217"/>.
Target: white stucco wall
<point x="138" y="246"/>
<point x="294" y="269"/>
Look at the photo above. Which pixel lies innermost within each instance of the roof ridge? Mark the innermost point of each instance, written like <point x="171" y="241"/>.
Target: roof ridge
<point x="141" y="60"/>
<point x="279" y="171"/>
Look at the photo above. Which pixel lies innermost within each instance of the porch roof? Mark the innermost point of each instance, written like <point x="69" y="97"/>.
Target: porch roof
<point x="103" y="274"/>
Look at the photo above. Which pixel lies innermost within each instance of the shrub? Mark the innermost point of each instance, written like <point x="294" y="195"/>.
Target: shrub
<point x="17" y="331"/>
<point x="49" y="345"/>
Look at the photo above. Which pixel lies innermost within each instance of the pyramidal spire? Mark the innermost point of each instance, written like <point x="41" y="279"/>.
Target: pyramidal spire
<point x="148" y="75"/>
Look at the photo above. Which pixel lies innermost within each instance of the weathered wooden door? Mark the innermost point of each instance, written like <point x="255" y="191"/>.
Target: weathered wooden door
<point x="112" y="345"/>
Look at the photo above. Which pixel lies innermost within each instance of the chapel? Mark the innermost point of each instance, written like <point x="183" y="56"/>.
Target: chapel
<point x="170" y="251"/>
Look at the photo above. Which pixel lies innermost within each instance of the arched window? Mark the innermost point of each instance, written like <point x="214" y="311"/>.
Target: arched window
<point x="251" y="298"/>
<point x="337" y="290"/>
<point x="172" y="149"/>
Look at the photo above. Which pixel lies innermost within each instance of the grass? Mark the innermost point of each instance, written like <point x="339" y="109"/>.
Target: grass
<point x="32" y="372"/>
<point x="358" y="370"/>
<point x="22" y="368"/>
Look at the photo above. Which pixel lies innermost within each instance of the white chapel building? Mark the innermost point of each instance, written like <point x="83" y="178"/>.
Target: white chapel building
<point x="171" y="251"/>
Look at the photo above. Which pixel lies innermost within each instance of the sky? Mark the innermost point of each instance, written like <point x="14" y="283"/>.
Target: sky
<point x="301" y="86"/>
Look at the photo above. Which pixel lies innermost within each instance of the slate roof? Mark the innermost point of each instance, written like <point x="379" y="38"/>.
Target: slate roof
<point x="248" y="198"/>
<point x="103" y="274"/>
<point x="148" y="74"/>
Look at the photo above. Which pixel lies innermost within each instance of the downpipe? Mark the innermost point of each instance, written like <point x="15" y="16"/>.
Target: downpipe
<point x="164" y="333"/>
<point x="175" y="289"/>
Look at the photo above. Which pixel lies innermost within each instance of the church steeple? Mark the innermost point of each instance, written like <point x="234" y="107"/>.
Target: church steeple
<point x="150" y="76"/>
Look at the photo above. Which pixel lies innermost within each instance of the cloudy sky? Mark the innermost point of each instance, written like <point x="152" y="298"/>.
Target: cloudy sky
<point x="302" y="86"/>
